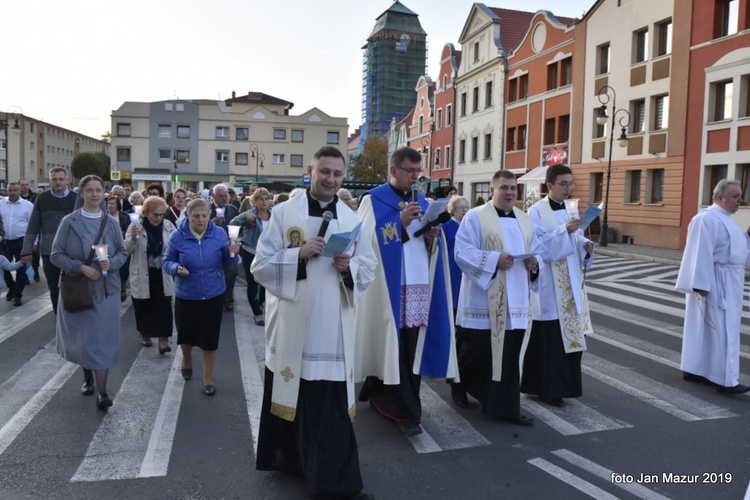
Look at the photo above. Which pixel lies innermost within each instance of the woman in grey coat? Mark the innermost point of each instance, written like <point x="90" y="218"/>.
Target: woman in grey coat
<point x="91" y="338"/>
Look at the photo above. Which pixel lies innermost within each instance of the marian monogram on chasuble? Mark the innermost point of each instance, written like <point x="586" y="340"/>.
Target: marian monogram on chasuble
<point x="390" y="233"/>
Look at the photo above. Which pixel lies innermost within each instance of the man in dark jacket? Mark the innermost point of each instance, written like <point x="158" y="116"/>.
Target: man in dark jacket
<point x="221" y="213"/>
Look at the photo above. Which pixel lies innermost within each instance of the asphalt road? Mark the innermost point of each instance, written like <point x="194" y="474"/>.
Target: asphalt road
<point x="637" y="432"/>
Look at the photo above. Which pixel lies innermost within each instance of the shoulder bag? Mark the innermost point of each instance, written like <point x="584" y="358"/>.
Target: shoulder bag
<point x="75" y="288"/>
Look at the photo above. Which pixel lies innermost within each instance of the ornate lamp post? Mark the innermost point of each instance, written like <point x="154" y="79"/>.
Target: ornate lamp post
<point x="4" y="124"/>
<point x="623" y="121"/>
<point x="259" y="157"/>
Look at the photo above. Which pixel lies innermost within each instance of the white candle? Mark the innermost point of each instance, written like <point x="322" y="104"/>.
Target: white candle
<point x="219" y="212"/>
<point x="137" y="209"/>
<point x="234" y="233"/>
<point x="102" y="253"/>
<point x="134" y="218"/>
<point x="571" y="206"/>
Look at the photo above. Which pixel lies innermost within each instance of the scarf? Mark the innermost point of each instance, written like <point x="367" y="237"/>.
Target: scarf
<point x="154" y="244"/>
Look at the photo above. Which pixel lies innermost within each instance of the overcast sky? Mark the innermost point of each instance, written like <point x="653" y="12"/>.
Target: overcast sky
<point x="72" y="63"/>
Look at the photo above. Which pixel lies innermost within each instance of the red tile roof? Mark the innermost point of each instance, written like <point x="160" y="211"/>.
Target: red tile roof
<point x="514" y="24"/>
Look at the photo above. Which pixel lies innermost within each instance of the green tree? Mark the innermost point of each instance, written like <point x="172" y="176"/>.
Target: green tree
<point x="107" y="136"/>
<point x="106" y="161"/>
<point x="372" y="163"/>
<point x="88" y="164"/>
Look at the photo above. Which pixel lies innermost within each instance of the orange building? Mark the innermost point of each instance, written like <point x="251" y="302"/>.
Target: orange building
<point x="445" y="104"/>
<point x="422" y="125"/>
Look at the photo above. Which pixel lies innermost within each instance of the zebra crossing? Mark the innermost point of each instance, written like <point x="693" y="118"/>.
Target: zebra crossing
<point x="134" y="439"/>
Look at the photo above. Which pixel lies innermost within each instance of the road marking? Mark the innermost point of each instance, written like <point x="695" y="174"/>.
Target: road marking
<point x="572" y="419"/>
<point x="121" y="443"/>
<point x="18" y="319"/>
<point x="606" y="474"/>
<point x="571" y="479"/>
<point x="444" y="428"/>
<point x="594" y="290"/>
<point x="666" y="398"/>
<point x="251" y="343"/>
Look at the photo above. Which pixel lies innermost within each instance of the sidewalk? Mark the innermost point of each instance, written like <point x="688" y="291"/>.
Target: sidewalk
<point x="641" y="252"/>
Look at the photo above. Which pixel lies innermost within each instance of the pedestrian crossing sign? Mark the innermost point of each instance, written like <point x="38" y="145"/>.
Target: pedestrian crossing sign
<point x="114" y="175"/>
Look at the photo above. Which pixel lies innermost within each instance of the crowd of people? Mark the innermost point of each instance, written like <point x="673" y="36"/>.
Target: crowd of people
<point x="493" y="300"/>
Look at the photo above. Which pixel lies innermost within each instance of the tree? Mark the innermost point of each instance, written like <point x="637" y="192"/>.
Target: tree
<point x="88" y="164"/>
<point x="106" y="161"/>
<point x="106" y="136"/>
<point x="372" y="163"/>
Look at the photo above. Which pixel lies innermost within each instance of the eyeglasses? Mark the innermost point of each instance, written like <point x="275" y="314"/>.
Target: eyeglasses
<point x="180" y="196"/>
<point x="153" y="193"/>
<point x="93" y="191"/>
<point x="158" y="215"/>
<point x="566" y="185"/>
<point x="410" y="171"/>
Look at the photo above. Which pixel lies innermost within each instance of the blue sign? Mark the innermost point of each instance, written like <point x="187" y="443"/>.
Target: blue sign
<point x="305" y="179"/>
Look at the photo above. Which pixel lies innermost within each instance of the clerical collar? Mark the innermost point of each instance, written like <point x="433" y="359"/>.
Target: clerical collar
<point x="315" y="209"/>
<point x="556" y="205"/>
<point x="406" y="196"/>
<point x="501" y="213"/>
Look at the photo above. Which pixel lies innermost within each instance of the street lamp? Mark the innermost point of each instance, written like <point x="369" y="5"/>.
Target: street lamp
<point x="259" y="157"/>
<point x="623" y="121"/>
<point x="4" y="124"/>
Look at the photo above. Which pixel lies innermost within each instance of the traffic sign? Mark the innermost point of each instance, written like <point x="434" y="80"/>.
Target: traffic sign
<point x="305" y="179"/>
<point x="114" y="175"/>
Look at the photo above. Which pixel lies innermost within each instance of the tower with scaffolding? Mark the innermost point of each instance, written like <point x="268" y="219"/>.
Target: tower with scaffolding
<point x="395" y="56"/>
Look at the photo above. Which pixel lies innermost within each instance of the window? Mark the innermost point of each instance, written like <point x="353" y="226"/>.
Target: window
<point x="521" y="143"/>
<point x="463" y="104"/>
<point x="474" y="148"/>
<point x="633" y="186"/>
<point x="123" y="129"/>
<point x="552" y="76"/>
<point x="512" y="89"/>
<point x="602" y="59"/>
<point x="222" y="132"/>
<point x="475" y="100"/>
<point x="296" y="161"/>
<point x="183" y="131"/>
<point x="183" y="156"/>
<point x="566" y="71"/>
<point x="487" y="146"/>
<point x="4" y="145"/>
<point x="744" y="170"/>
<point x="563" y="128"/>
<point x="448" y="115"/>
<point x="510" y="139"/>
<point x="439" y="119"/>
<point x="278" y="158"/>
<point x="597" y="181"/>
<point x="713" y="174"/>
<point x="598" y="129"/>
<point x="462" y="151"/>
<point x="241" y="133"/>
<point x="523" y="86"/>
<point x="445" y="82"/>
<point x="488" y="94"/>
<point x="722" y="100"/>
<point x="279" y="133"/>
<point x="240" y="158"/>
<point x="745" y="96"/>
<point x="664" y="38"/>
<point x="655" y="185"/>
<point x="421" y="124"/>
<point x="661" y="112"/>
<point x="222" y="156"/>
<point x="179" y="107"/>
<point x="447" y="159"/>
<point x="298" y="136"/>
<point x="638" y="115"/>
<point x="165" y="130"/>
<point x="640" y="45"/>
<point x="481" y="190"/>
<point x="436" y="161"/>
<point x="728" y="17"/>
<point x="168" y="106"/>
<point x="333" y="137"/>
<point x="165" y="154"/>
<point x="123" y="154"/>
<point x="549" y="131"/>
<point x="476" y="51"/>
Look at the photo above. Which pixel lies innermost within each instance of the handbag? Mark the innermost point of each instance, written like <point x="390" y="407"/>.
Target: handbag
<point x="75" y="288"/>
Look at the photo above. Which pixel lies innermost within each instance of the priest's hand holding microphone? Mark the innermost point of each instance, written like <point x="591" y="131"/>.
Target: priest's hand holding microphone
<point x="315" y="245"/>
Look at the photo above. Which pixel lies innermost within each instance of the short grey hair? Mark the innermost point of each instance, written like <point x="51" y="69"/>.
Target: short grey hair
<point x="219" y="187"/>
<point x="723" y="185"/>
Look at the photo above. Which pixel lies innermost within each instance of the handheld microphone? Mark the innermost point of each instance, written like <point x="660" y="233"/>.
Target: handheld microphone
<point x="415" y="192"/>
<point x="327" y="216"/>
<point x="443" y="217"/>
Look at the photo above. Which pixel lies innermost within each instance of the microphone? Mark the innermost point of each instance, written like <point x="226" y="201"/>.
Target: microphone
<point x="443" y="217"/>
<point x="327" y="216"/>
<point x="415" y="192"/>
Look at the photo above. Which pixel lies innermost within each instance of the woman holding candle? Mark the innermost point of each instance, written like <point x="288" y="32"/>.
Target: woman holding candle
<point x="252" y="223"/>
<point x="176" y="213"/>
<point x="196" y="256"/>
<point x="152" y="288"/>
<point x="91" y="338"/>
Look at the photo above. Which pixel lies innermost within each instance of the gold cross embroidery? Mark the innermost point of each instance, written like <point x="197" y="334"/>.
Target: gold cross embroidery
<point x="287" y="374"/>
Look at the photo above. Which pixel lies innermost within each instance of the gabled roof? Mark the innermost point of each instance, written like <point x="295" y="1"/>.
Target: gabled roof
<point x="260" y="98"/>
<point x="457" y="55"/>
<point x="399" y="18"/>
<point x="513" y="26"/>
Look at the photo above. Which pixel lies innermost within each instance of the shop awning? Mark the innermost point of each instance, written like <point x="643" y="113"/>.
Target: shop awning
<point x="534" y="176"/>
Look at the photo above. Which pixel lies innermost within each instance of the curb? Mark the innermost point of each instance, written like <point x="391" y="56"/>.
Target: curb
<point x="629" y="255"/>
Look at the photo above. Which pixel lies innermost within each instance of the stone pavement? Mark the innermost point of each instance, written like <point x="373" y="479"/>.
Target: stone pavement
<point x="641" y="252"/>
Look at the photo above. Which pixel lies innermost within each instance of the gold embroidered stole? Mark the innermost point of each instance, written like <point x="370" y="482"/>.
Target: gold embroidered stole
<point x="497" y="293"/>
<point x="573" y="326"/>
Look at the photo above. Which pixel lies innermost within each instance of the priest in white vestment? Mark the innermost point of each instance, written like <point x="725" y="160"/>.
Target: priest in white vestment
<point x="552" y="364"/>
<point x="712" y="277"/>
<point x="496" y="247"/>
<point x="308" y="400"/>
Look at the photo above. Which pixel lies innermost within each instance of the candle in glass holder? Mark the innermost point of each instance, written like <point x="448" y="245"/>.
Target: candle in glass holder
<point x="137" y="209"/>
<point x="102" y="253"/>
<point x="234" y="233"/>
<point x="134" y="218"/>
<point x="219" y="212"/>
<point x="571" y="206"/>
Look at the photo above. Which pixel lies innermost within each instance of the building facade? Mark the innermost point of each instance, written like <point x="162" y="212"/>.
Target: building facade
<point x="200" y="143"/>
<point x="445" y="103"/>
<point x="421" y="126"/>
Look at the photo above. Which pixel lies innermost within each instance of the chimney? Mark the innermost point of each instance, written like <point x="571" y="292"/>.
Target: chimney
<point x="233" y="94"/>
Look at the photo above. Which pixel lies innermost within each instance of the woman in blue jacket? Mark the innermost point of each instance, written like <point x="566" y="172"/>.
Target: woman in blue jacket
<point x="252" y="222"/>
<point x="196" y="257"/>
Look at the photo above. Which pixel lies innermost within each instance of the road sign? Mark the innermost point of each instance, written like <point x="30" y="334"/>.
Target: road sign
<point x="114" y="175"/>
<point x="305" y="179"/>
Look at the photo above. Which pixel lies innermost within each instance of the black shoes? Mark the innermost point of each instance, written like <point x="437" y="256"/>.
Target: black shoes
<point x="9" y="297"/>
<point x="410" y="428"/>
<point x="87" y="389"/>
<point x="558" y="402"/>
<point x="458" y="394"/>
<point x="146" y="341"/>
<point x="187" y="373"/>
<point x="164" y="345"/>
<point x="102" y="401"/>
<point x="36" y="276"/>
<point x="209" y="390"/>
<point x="521" y="419"/>
<point x="698" y="379"/>
<point x="737" y="389"/>
<point x="17" y="301"/>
